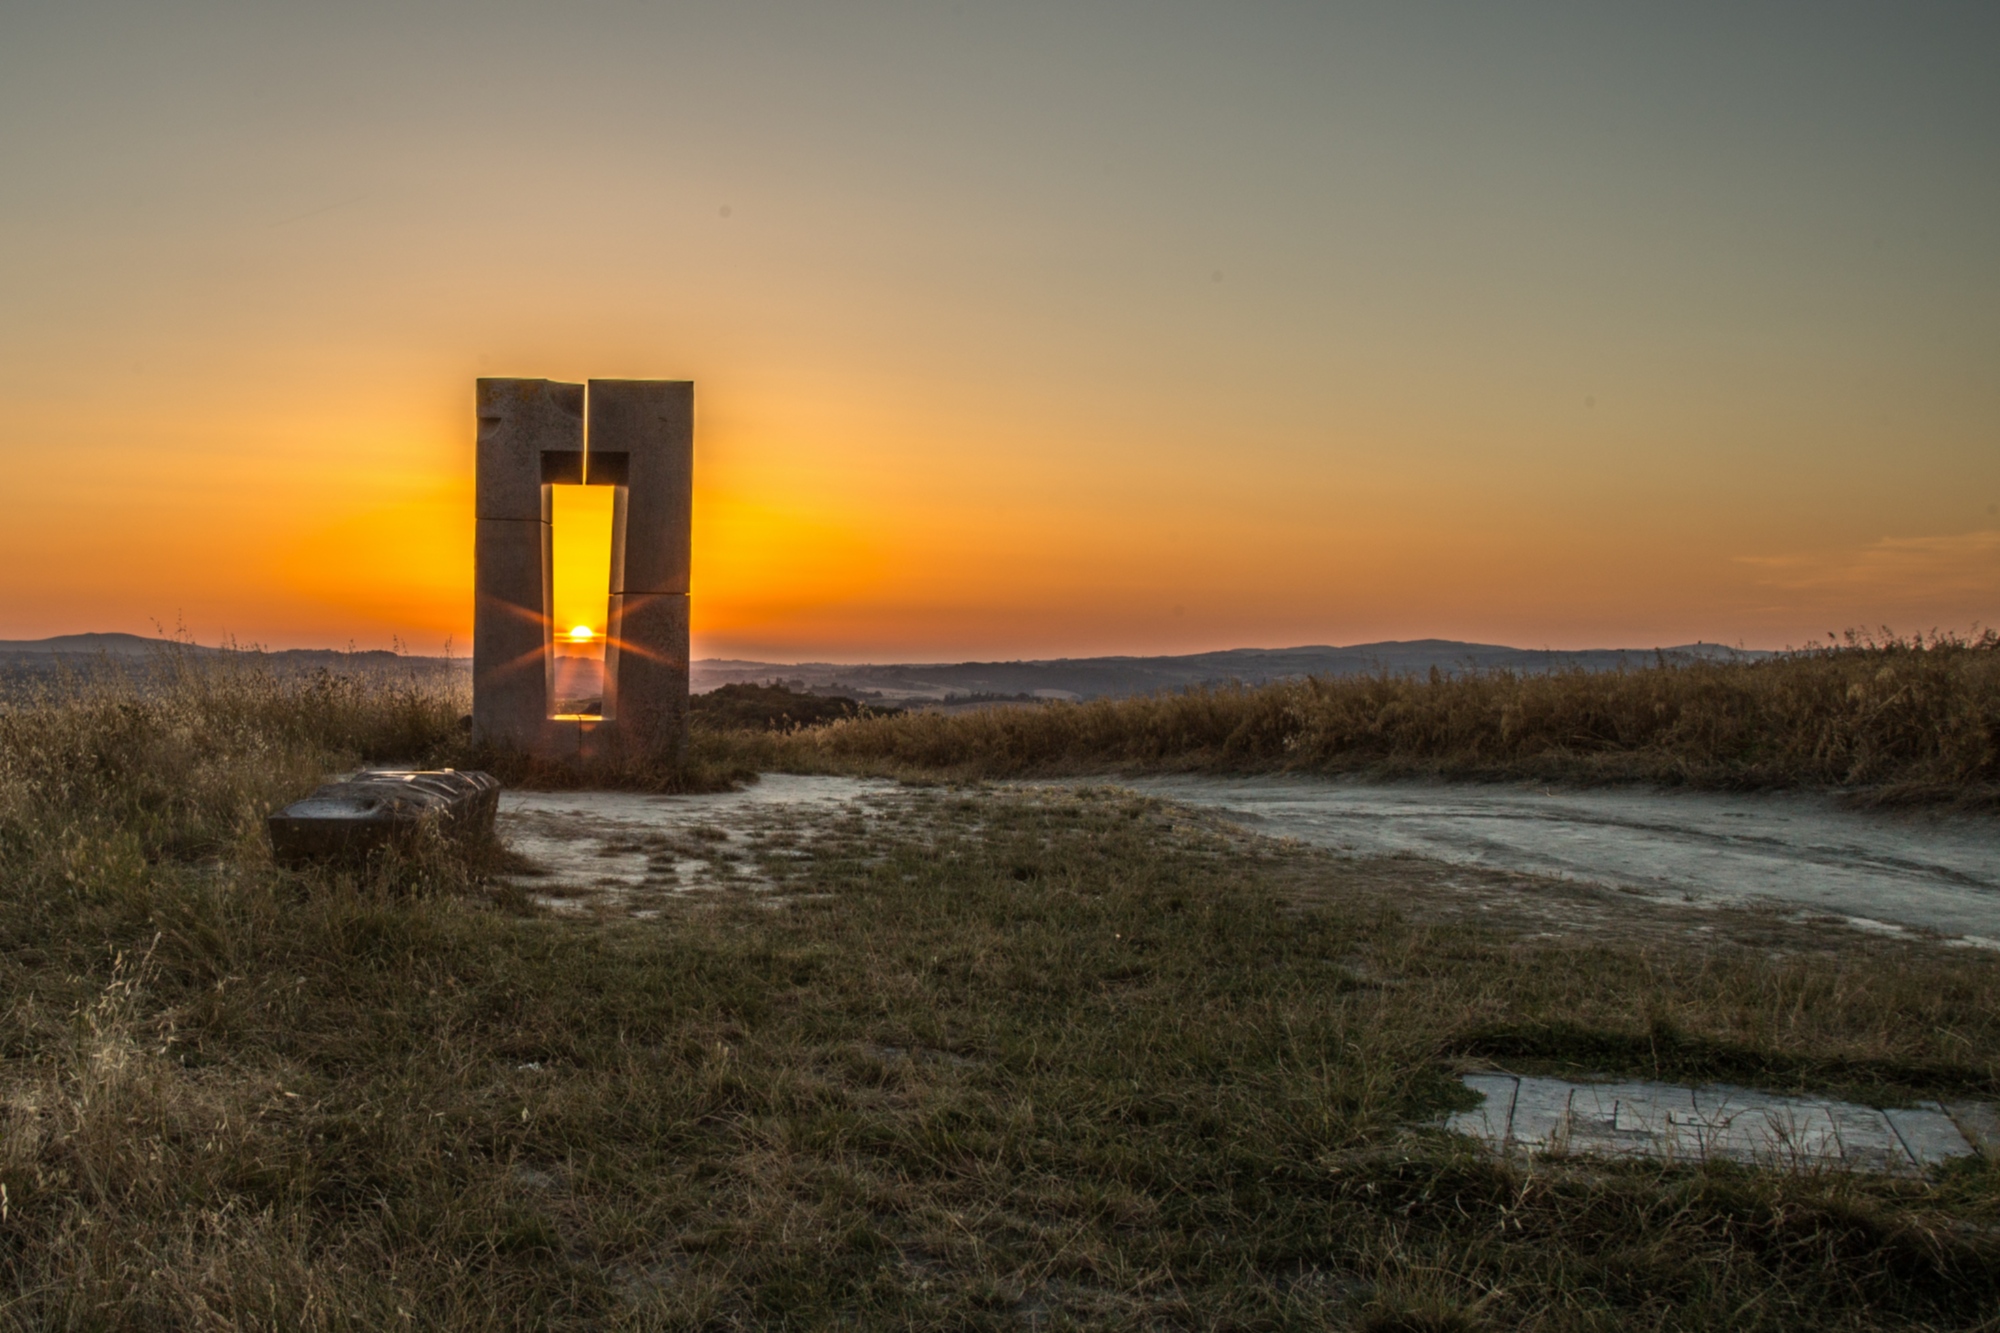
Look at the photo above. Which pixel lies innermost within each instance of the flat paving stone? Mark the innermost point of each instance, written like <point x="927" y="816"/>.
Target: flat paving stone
<point x="1928" y="1133"/>
<point x="1980" y="1123"/>
<point x="1669" y="1122"/>
<point x="1495" y="1113"/>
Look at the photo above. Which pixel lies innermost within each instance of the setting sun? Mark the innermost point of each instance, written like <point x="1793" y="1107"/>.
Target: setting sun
<point x="1014" y="338"/>
<point x="581" y="553"/>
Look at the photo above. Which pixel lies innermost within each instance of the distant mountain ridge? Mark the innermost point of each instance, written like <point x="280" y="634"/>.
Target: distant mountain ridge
<point x="115" y="644"/>
<point x="83" y="647"/>
<point x="1119" y="677"/>
<point x="1050" y="678"/>
<point x="26" y="661"/>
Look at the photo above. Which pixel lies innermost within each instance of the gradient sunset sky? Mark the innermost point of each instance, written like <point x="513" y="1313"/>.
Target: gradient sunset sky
<point x="1019" y="329"/>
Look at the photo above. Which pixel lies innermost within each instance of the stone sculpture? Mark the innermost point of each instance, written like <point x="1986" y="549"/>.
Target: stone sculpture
<point x="640" y="440"/>
<point x="348" y="819"/>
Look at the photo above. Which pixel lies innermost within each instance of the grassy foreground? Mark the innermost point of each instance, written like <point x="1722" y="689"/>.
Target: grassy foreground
<point x="996" y="1059"/>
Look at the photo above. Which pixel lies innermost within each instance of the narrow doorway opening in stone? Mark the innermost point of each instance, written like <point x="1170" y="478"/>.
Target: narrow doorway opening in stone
<point x="580" y="556"/>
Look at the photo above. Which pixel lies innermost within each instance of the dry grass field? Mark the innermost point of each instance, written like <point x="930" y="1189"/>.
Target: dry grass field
<point x="1897" y="720"/>
<point x="1012" y="1058"/>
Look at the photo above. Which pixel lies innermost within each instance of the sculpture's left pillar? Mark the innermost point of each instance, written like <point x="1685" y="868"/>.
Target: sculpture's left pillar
<point x="521" y="423"/>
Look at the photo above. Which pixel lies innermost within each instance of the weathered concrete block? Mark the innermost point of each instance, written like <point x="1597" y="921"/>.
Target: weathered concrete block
<point x="643" y="431"/>
<point x="527" y="428"/>
<point x="1492" y="1120"/>
<point x="531" y="439"/>
<point x="346" y="820"/>
<point x="510" y="632"/>
<point x="519" y="420"/>
<point x="646" y="672"/>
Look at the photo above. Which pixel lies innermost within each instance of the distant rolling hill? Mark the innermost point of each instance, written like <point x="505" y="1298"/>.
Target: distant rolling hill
<point x="82" y="645"/>
<point x="29" y="659"/>
<point x="1058" y="678"/>
<point x="1117" y="677"/>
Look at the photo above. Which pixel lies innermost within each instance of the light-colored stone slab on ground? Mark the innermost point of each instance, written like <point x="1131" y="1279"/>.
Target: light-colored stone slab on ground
<point x="1668" y="1122"/>
<point x="1492" y="1117"/>
<point x="1928" y="1134"/>
<point x="1980" y="1123"/>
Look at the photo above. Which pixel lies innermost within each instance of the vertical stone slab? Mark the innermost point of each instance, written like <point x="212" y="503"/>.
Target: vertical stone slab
<point x="644" y="429"/>
<point x="651" y="422"/>
<point x="519" y="420"/>
<point x="646" y="673"/>
<point x="509" y="696"/>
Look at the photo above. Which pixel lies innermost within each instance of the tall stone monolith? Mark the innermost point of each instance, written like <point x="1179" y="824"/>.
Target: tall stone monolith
<point x="640" y="439"/>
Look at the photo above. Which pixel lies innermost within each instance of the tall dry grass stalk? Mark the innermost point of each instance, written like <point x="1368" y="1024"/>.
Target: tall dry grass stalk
<point x="142" y="1174"/>
<point x="1906" y="718"/>
<point x="182" y="755"/>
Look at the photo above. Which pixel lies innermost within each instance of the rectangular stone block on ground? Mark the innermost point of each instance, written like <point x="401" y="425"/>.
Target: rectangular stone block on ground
<point x="1541" y="1113"/>
<point x="1732" y="1124"/>
<point x="344" y="821"/>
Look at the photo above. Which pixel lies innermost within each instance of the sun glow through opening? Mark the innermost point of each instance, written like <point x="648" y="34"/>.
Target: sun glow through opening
<point x="581" y="550"/>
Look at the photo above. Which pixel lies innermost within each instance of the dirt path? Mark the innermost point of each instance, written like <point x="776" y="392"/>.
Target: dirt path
<point x="628" y="852"/>
<point x="1885" y="873"/>
<point x="1879" y="871"/>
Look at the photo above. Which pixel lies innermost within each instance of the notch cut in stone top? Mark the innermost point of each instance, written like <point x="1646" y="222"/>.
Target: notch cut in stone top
<point x="519" y="422"/>
<point x="651" y="422"/>
<point x="585" y="467"/>
<point x="562" y="467"/>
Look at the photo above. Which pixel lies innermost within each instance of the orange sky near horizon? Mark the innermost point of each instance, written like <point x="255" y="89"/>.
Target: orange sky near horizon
<point x="1057" y="332"/>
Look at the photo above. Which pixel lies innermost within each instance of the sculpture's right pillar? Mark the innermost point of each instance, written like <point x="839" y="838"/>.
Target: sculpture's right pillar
<point x="642" y="440"/>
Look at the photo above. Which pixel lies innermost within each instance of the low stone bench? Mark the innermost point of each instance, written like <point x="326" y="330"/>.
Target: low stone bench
<point x="346" y="820"/>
